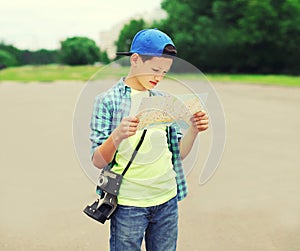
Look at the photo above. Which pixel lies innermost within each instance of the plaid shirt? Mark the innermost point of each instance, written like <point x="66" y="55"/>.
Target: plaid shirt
<point x="109" y="109"/>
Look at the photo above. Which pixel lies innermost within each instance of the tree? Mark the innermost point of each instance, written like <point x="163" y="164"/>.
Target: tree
<point x="13" y="52"/>
<point x="236" y="35"/>
<point x="191" y="25"/>
<point x="7" y="59"/>
<point x="79" y="51"/>
<point x="289" y="35"/>
<point x="104" y="57"/>
<point x="25" y="57"/>
<point x="39" y="57"/>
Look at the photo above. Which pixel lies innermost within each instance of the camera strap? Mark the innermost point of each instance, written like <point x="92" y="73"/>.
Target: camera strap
<point x="104" y="211"/>
<point x="135" y="151"/>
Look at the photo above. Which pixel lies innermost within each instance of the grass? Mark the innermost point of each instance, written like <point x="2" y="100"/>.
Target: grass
<point x="283" y="80"/>
<point x="50" y="73"/>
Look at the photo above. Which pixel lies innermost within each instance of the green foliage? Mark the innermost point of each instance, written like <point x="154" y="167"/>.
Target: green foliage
<point x="39" y="57"/>
<point x="79" y="51"/>
<point x="127" y="33"/>
<point x="236" y="35"/>
<point x="13" y="51"/>
<point x="104" y="57"/>
<point x="7" y="59"/>
<point x="76" y="51"/>
<point x="27" y="57"/>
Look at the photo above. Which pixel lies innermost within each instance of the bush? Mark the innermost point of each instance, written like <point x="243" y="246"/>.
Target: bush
<point x="7" y="59"/>
<point x="79" y="51"/>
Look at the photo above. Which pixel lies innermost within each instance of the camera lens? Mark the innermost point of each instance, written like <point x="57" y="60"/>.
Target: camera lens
<point x="103" y="181"/>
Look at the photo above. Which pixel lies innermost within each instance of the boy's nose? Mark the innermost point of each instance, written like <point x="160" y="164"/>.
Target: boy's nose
<point x="158" y="78"/>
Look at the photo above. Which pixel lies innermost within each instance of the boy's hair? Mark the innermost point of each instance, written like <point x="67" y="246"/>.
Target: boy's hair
<point x="168" y="52"/>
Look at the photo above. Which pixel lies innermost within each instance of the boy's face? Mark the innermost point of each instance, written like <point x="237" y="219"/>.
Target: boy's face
<point x="148" y="73"/>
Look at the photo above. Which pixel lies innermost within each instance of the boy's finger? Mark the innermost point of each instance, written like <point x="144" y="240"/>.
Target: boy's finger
<point x="199" y="118"/>
<point x="134" y="119"/>
<point x="200" y="114"/>
<point x="202" y="122"/>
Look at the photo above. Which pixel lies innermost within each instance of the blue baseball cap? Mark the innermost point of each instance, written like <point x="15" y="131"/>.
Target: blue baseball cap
<point x="149" y="42"/>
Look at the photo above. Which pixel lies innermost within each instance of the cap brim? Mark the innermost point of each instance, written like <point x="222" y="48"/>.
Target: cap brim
<point x="124" y="53"/>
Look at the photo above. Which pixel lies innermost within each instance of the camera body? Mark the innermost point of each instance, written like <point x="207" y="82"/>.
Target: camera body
<point x="110" y="183"/>
<point x="102" y="211"/>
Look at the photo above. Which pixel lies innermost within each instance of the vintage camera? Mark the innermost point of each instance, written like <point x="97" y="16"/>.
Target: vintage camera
<point x="110" y="183"/>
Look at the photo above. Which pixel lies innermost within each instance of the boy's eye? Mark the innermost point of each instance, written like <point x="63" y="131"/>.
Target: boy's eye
<point x="157" y="70"/>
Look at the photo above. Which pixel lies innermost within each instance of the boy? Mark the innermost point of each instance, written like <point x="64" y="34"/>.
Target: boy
<point x="155" y="182"/>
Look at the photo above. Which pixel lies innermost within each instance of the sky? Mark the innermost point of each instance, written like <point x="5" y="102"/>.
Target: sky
<point x="36" y="24"/>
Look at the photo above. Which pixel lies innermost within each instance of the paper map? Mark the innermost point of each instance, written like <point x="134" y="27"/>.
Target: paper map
<point x="164" y="110"/>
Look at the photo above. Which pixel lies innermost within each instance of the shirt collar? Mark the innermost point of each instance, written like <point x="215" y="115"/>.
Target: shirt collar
<point x="124" y="89"/>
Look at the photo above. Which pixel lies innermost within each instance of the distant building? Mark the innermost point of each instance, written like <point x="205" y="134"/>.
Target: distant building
<point x="107" y="38"/>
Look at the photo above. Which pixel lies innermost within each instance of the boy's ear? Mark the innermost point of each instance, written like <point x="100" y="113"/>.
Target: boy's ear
<point x="135" y="59"/>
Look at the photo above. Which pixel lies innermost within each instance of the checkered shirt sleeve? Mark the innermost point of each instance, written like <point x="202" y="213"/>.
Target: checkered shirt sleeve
<point x="101" y="121"/>
<point x="174" y="137"/>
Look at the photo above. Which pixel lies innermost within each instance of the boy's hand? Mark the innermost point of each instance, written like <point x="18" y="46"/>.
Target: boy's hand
<point x="199" y="122"/>
<point x="127" y="128"/>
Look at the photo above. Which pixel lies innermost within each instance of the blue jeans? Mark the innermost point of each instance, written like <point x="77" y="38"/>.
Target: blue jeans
<point x="158" y="224"/>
